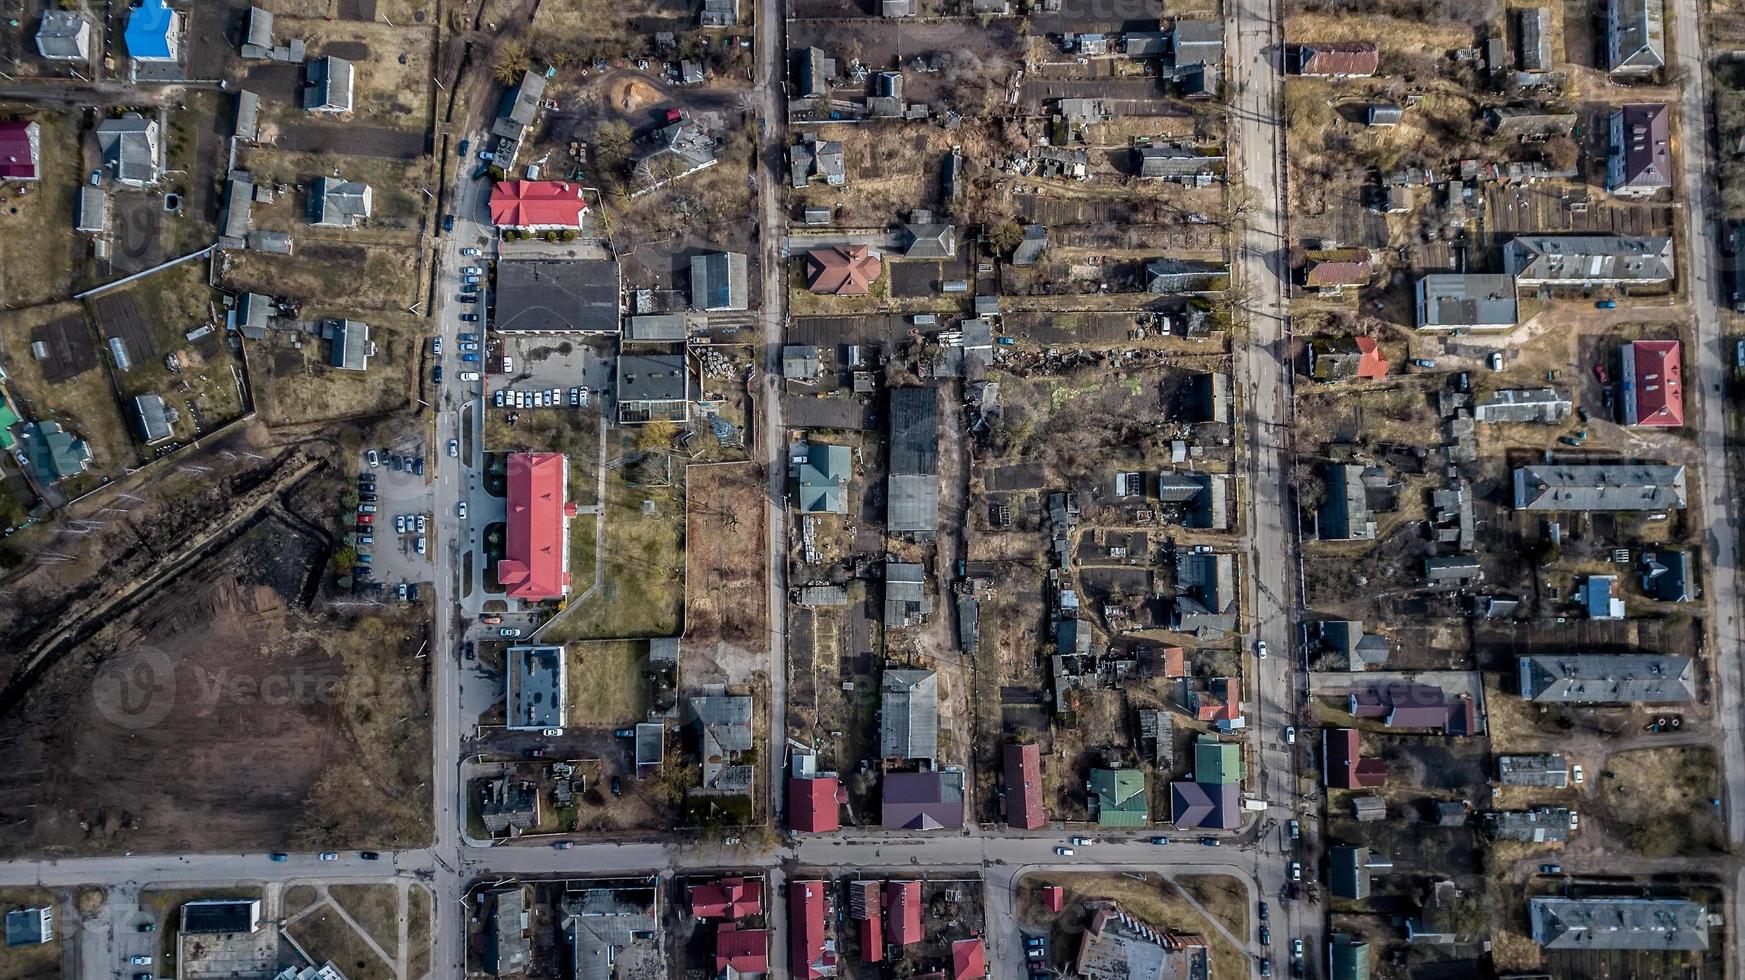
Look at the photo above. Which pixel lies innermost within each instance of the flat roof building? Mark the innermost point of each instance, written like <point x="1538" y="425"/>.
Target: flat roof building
<point x="535" y="678"/>
<point x="558" y="296"/>
<point x="654" y="387"/>
<point x="718" y="281"/>
<point x="1460" y="301"/>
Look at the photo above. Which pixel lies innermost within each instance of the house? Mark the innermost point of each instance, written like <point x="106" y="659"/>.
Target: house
<point x="220" y="916"/>
<point x="153" y="32"/>
<point x="129" y="146"/>
<point x="1031" y="246"/>
<point x="813" y="797"/>
<point x="1347" y="958"/>
<point x="1666" y="575"/>
<point x="336" y="203"/>
<point x="928" y="239"/>
<point x="1174" y="161"/>
<point x="63" y="35"/>
<point x="864" y="907"/>
<point x="1651" y="383"/>
<point x="507" y="946"/>
<point x="909" y="715"/>
<point x="565" y="296"/>
<point x="1639" y="152"/>
<point x="1344" y="514"/>
<point x="254" y="314"/>
<point x="718" y="281"/>
<point x="535" y="565"/>
<point x="534" y="695"/>
<point x="1145" y="44"/>
<point x="1636" y="487"/>
<point x="1346" y="358"/>
<point x="1334" y="269"/>
<point x="1024" y="807"/>
<point x="1607" y="678"/>
<point x="912" y="483"/>
<point x="1465" y="301"/>
<point x="1185" y="276"/>
<point x="1543" y="405"/>
<point x="1547" y="770"/>
<point x="1118" y="798"/>
<point x="896" y="8"/>
<point x="719" y="13"/>
<point x="679" y="149"/>
<point x="1117" y="945"/>
<point x="1346" y="640"/>
<point x="1535" y="34"/>
<point x="152" y="417"/>
<point x="922" y="800"/>
<point x="1452" y="570"/>
<point x="821" y="475"/>
<point x="1368" y="809"/>
<point x="842" y="270"/>
<point x="349" y="345"/>
<point x="969" y="960"/>
<point x="516" y="113"/>
<point x="1407" y="705"/>
<point x="1635" y="37"/>
<point x="1540" y="825"/>
<point x="723" y="727"/>
<point x="1599" y="594"/>
<point x="741" y="952"/>
<point x="1199" y="81"/>
<point x="1530" y="123"/>
<point x="728" y="898"/>
<point x="604" y="925"/>
<point x="814" y="159"/>
<point x="54" y="453"/>
<point x="1343" y="764"/>
<point x="1205" y="594"/>
<point x="247" y="122"/>
<point x="537" y="205"/>
<point x="1355" y="59"/>
<point x="20" y="150"/>
<point x="654" y="387"/>
<point x="1197" y="42"/>
<point x="93" y="211"/>
<point x="903" y="907"/>
<point x="1349" y="868"/>
<point x="509" y="806"/>
<point x="1212" y="799"/>
<point x="813" y="71"/>
<point x="1586" y="261"/>
<point x="328" y="87"/>
<point x="30" y="926"/>
<point x="8" y="419"/>
<point x="1618" y="922"/>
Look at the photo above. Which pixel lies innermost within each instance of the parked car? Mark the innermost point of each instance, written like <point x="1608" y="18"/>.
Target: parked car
<point x="1160" y="841"/>
<point x="373" y="458"/>
<point x="369" y="855"/>
<point x="399" y="523"/>
<point x="487" y="155"/>
<point x="1576" y="773"/>
<point x="419" y="523"/>
<point x="436" y="346"/>
<point x="461" y="510"/>
<point x="552" y="732"/>
<point x="509" y="631"/>
<point x="469" y="375"/>
<point x="470" y="250"/>
<point x="418" y="466"/>
<point x="1263" y="911"/>
<point x="366" y="539"/>
<point x="617" y="786"/>
<point x="1064" y="851"/>
<point x="470" y="317"/>
<point x="148" y="927"/>
<point x="1260" y="649"/>
<point x="1551" y="869"/>
<point x="624" y="733"/>
<point x="1211" y="842"/>
<point x="1081" y="842"/>
<point x="366" y="559"/>
<point x="1265" y="936"/>
<point x="467" y="338"/>
<point x="1606" y="304"/>
<point x="420" y="546"/>
<point x="1424" y="362"/>
<point x="436" y="375"/>
<point x="465" y="145"/>
<point x="366" y="508"/>
<point x="1290" y="734"/>
<point x="469" y="358"/>
<point x="1296" y="947"/>
<point x="1296" y="871"/>
<point x="1574" y="820"/>
<point x="491" y="620"/>
<point x="139" y="959"/>
<point x="328" y="856"/>
<point x="469" y="348"/>
<point x="401" y="592"/>
<point x="279" y="856"/>
<point x="472" y="270"/>
<point x="564" y="845"/>
<point x="448" y="222"/>
<point x="1266" y="966"/>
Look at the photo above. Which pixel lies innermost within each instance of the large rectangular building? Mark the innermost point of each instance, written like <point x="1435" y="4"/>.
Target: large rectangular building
<point x="912" y="506"/>
<point x="536" y="555"/>
<point x="535" y="677"/>
<point x="570" y="296"/>
<point x="1652" y="378"/>
<point x="1634" y="487"/>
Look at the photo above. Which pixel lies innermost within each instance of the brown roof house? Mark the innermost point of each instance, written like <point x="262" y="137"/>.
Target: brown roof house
<point x="1024" y="787"/>
<point x="842" y="270"/>
<point x="1639" y="153"/>
<point x="1342" y="59"/>
<point x="1333" y="269"/>
<point x="922" y="801"/>
<point x="1345" y="766"/>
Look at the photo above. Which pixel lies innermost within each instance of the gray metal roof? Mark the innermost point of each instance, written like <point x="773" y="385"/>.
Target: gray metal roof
<point x="909" y="715"/>
<point x="913" y="483"/>
<point x="64" y="35"/>
<point x="1584" y="260"/>
<point x="248" y="115"/>
<point x="1345" y="514"/>
<point x="657" y="328"/>
<point x="822" y="476"/>
<point x="1623" y="487"/>
<point x="1639" y="157"/>
<point x="506" y="943"/>
<point x="1618" y="923"/>
<point x="1198" y="42"/>
<point x="576" y="295"/>
<point x="1540" y="825"/>
<point x="520" y="106"/>
<point x="534" y="677"/>
<point x="930" y="240"/>
<point x="1031" y="246"/>
<point x="1637" y="44"/>
<point x="1447" y="300"/>
<point x="922" y="800"/>
<point x="336" y="203"/>
<point x="233" y="218"/>
<point x="1210" y="578"/>
<point x="1522" y="405"/>
<point x="257" y="38"/>
<point x="653" y="378"/>
<point x="1174" y="160"/>
<point x="1607" y="678"/>
<point x="154" y="423"/>
<point x="329" y="86"/>
<point x="130" y="148"/>
<point x="1548" y="769"/>
<point x="1536" y="39"/>
<point x="351" y="344"/>
<point x="93" y="213"/>
<point x="602" y="922"/>
<point x="800" y="361"/>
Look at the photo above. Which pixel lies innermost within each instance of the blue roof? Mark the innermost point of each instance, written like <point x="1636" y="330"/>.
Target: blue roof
<point x="148" y="30"/>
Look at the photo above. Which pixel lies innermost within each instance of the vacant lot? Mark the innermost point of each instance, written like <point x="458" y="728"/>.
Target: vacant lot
<point x="325" y="935"/>
<point x="36" y="267"/>
<point x="1659" y="800"/>
<point x="225" y="712"/>
<point x="295" y="383"/>
<point x="1153" y="900"/>
<point x="642" y="591"/>
<point x="726" y="598"/>
<point x="377" y="277"/>
<point x="604" y="683"/>
<point x="70" y="386"/>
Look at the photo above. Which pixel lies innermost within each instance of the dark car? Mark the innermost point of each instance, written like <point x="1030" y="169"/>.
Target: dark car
<point x="1263" y="911"/>
<point x="367" y="496"/>
<point x="148" y="927"/>
<point x="465" y="145"/>
<point x="1265" y="936"/>
<point x="436" y="374"/>
<point x="617" y="786"/>
<point x="418" y="466"/>
<point x="1211" y="842"/>
<point x="369" y="855"/>
<point x="448" y="222"/>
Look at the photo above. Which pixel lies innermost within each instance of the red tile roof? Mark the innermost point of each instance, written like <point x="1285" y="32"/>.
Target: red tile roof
<point x="537" y="204"/>
<point x="535" y="562"/>
<point x="729" y="898"/>
<point x="1372" y="364"/>
<point x="812" y="806"/>
<point x="807" y="958"/>
<point x="741" y="950"/>
<point x="1653" y="379"/>
<point x="1024" y="787"/>
<point x="1345" y="766"/>
<point x="20" y="150"/>
<point x="1222" y="701"/>
<point x="903" y="908"/>
<point x="1175" y="662"/>
<point x="968" y="960"/>
<point x="842" y="270"/>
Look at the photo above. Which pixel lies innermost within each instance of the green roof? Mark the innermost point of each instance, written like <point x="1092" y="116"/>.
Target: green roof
<point x="1119" y="797"/>
<point x="8" y="419"/>
<point x="55" y="452"/>
<point x="823" y="479"/>
<point x="1217" y="762"/>
<point x="1350" y="959"/>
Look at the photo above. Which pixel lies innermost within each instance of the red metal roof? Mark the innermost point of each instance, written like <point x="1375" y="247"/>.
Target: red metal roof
<point x="744" y="950"/>
<point x="19" y="142"/>
<point x="1222" y="701"/>
<point x="1338" y="58"/>
<point x="842" y="270"/>
<point x="807" y="959"/>
<point x="729" y="898"/>
<point x="1653" y="380"/>
<point x="812" y="805"/>
<point x="537" y="203"/>
<point x="1372" y="364"/>
<point x="968" y="960"/>
<point x="903" y="908"/>
<point x="535" y="555"/>
<point x="1024" y="787"/>
<point x="1053" y="898"/>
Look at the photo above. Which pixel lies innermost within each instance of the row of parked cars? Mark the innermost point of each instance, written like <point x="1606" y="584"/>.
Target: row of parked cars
<point x="539" y="398"/>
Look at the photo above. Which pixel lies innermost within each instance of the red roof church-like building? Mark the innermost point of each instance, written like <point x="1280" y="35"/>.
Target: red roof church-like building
<point x="537" y="205"/>
<point x="536" y="554"/>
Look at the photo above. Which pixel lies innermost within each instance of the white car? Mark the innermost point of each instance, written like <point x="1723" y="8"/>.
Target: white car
<point x="1082" y="842"/>
<point x="399" y="523"/>
<point x="1260" y="649"/>
<point x="472" y="270"/>
<point x="469" y="375"/>
<point x="552" y="732"/>
<point x="497" y="398"/>
<point x="1574" y="820"/>
<point x="1576" y="774"/>
<point x="453" y="448"/>
<point x="139" y="960"/>
<point x="1064" y="851"/>
<point x="1290" y="734"/>
<point x="436" y="346"/>
<point x="584" y="398"/>
<point x="1296" y="871"/>
<point x="461" y="509"/>
<point x="420" y="545"/>
<point x="469" y="251"/>
<point x="469" y="348"/>
<point x="509" y="631"/>
<point x="328" y="856"/>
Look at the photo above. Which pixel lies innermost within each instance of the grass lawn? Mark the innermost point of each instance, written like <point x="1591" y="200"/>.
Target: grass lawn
<point x="296" y="385"/>
<point x="297" y="898"/>
<point x="38" y="248"/>
<point x="30" y="962"/>
<point x="643" y="590"/>
<point x="417" y="931"/>
<point x="374" y="907"/>
<point x="604" y="682"/>
<point x="326" y="936"/>
<point x="1659" y="800"/>
<point x="377" y="277"/>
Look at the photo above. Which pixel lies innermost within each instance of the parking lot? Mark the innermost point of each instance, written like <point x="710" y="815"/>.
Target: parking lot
<point x="544" y="363"/>
<point x="403" y="494"/>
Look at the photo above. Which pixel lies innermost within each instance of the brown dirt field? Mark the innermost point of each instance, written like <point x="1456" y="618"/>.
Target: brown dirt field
<point x="151" y="735"/>
<point x="417" y="932"/>
<point x="382" y="277"/>
<point x="724" y="530"/>
<point x="635" y="95"/>
<point x="1658" y="801"/>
